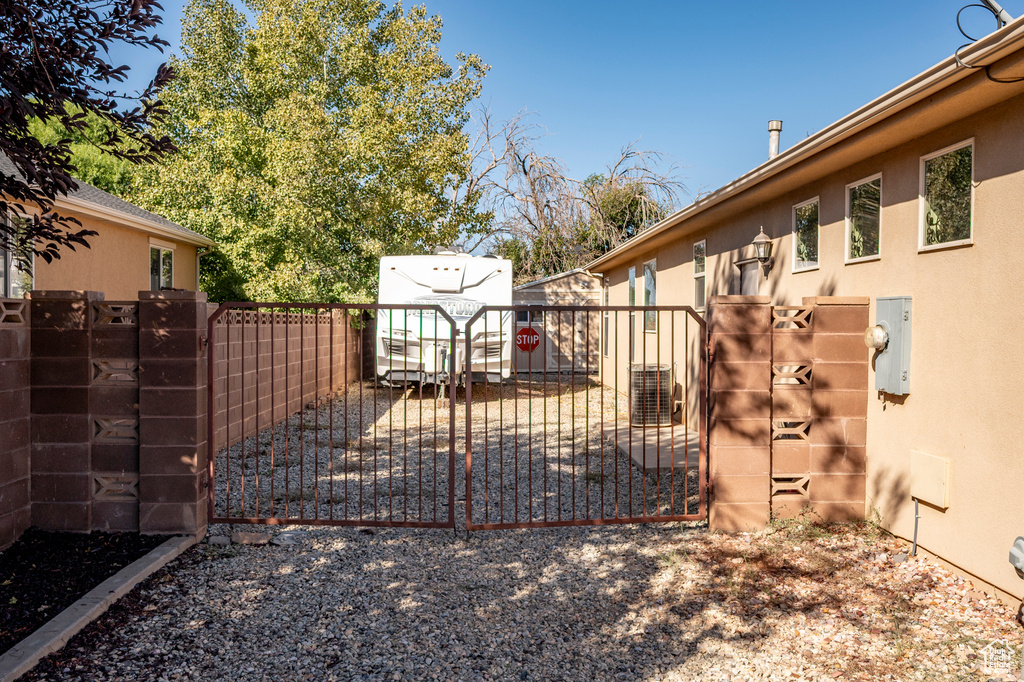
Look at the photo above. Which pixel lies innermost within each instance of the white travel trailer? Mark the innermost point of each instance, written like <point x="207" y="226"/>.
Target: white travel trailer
<point x="414" y="345"/>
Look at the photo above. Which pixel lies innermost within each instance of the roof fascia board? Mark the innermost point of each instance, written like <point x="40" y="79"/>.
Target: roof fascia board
<point x="990" y="49"/>
<point x="104" y="213"/>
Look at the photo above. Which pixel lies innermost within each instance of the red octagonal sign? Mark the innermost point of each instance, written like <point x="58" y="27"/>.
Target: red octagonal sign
<point x="527" y="339"/>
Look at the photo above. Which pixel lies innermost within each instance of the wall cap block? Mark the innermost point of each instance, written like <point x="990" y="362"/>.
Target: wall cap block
<point x="67" y="295"/>
<point x="172" y="296"/>
<point x="836" y="300"/>
<point x="741" y="300"/>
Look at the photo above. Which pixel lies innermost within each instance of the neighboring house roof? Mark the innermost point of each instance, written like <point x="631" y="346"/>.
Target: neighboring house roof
<point x="99" y="204"/>
<point x="942" y="76"/>
<point x="551" y="278"/>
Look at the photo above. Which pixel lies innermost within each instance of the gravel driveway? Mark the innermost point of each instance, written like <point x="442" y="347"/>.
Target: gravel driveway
<point x="541" y="453"/>
<point x="652" y="602"/>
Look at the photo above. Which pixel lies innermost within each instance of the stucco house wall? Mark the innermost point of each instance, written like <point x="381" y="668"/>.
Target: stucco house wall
<point x="117" y="261"/>
<point x="966" y="379"/>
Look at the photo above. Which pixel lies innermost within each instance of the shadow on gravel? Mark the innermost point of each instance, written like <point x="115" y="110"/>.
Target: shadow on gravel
<point x="629" y="602"/>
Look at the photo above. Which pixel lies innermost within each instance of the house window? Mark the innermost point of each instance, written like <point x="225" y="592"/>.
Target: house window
<point x="161" y="268"/>
<point x="805" y="235"/>
<point x="15" y="268"/>
<point x="947" y="190"/>
<point x="863" y="216"/>
<point x="605" y="323"/>
<point x="650" y="295"/>
<point x="699" y="278"/>
<point x="526" y="316"/>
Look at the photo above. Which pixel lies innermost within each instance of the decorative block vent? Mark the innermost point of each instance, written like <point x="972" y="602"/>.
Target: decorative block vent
<point x="650" y="395"/>
<point x="791" y="317"/>
<point x="13" y="312"/>
<point x="117" y="371"/>
<point x="106" y="312"/>
<point x="792" y="486"/>
<point x="115" y="486"/>
<point x="791" y="429"/>
<point x="791" y="375"/>
<point x="116" y="430"/>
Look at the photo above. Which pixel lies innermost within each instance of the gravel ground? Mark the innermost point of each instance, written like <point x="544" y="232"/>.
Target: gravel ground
<point x="541" y="453"/>
<point x="652" y="601"/>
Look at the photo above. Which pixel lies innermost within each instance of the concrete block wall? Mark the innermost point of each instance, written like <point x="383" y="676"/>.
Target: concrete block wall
<point x="739" y="388"/>
<point x="260" y="357"/>
<point x="172" y="422"/>
<point x="62" y="424"/>
<point x="15" y="419"/>
<point x="788" y="404"/>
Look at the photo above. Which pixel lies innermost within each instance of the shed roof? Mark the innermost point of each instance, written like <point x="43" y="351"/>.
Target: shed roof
<point x="552" y="278"/>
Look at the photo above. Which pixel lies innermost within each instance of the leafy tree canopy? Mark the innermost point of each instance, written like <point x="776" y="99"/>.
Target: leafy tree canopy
<point x="54" y="68"/>
<point x="92" y="163"/>
<point x="314" y="141"/>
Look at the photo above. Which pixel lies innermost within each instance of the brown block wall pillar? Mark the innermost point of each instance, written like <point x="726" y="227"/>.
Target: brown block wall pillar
<point x="172" y="425"/>
<point x="740" y="400"/>
<point x="839" y="383"/>
<point x="62" y="429"/>
<point x="114" y="412"/>
<point x="15" y="420"/>
<point x="819" y="408"/>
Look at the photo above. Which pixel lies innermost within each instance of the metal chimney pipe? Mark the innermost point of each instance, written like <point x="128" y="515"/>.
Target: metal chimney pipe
<point x="774" y="129"/>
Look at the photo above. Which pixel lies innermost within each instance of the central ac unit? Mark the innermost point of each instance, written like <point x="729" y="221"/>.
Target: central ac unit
<point x="650" y="395"/>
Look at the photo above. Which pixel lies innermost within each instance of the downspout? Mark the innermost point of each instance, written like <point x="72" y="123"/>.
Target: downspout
<point x="199" y="254"/>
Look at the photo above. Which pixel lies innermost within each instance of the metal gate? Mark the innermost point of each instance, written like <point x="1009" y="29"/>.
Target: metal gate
<point x="298" y="435"/>
<point x="351" y="415"/>
<point x="622" y="439"/>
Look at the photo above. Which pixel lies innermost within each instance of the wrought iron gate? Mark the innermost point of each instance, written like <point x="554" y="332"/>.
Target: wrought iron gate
<point x="572" y="446"/>
<point x="352" y="415"/>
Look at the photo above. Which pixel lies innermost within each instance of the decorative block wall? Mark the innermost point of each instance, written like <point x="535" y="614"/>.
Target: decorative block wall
<point x="788" y="395"/>
<point x="15" y="421"/>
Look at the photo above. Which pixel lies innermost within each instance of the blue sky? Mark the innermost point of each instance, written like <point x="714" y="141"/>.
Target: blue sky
<point x="697" y="81"/>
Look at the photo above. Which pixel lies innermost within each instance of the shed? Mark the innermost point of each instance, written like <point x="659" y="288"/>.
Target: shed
<point x="569" y="341"/>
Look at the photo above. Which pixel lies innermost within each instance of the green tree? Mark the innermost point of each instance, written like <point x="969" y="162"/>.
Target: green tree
<point x="313" y="142"/>
<point x="90" y="161"/>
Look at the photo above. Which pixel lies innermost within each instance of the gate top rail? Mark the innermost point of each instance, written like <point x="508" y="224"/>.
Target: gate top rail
<point x="224" y="307"/>
<point x="591" y="308"/>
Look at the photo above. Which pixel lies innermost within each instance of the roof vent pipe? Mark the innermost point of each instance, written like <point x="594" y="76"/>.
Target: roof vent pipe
<point x="774" y="129"/>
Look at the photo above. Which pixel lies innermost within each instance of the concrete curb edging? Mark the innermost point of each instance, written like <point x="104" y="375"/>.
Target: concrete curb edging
<point x="55" y="634"/>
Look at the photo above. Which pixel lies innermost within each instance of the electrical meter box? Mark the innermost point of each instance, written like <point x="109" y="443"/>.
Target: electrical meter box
<point x="892" y="363"/>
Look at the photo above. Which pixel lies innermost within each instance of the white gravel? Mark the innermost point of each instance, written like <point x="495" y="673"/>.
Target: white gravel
<point x="541" y="453"/>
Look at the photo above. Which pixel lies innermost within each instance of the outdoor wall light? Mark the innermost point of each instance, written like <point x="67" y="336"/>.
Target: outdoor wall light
<point x="763" y="249"/>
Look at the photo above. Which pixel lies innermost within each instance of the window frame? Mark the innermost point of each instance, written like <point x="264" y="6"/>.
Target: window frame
<point x="161" y="247"/>
<point x="650" y="317"/>
<point x="796" y="239"/>
<point x="702" y="275"/>
<point x="605" y="319"/>
<point x="10" y="264"/>
<point x="921" y="230"/>
<point x="849" y="223"/>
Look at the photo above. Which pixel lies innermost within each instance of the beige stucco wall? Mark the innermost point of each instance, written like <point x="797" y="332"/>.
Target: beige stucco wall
<point x="967" y="368"/>
<point x="117" y="263"/>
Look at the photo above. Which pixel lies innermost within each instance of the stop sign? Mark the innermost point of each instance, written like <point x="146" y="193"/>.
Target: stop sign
<point x="527" y="339"/>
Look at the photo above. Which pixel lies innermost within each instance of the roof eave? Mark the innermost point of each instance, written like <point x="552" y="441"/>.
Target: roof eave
<point x="148" y="226"/>
<point x="947" y="72"/>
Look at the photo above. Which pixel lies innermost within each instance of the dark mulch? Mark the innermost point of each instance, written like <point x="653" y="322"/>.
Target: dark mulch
<point x="44" y="573"/>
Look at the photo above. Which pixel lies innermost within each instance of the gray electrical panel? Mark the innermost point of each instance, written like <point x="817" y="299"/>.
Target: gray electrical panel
<point x="892" y="363"/>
